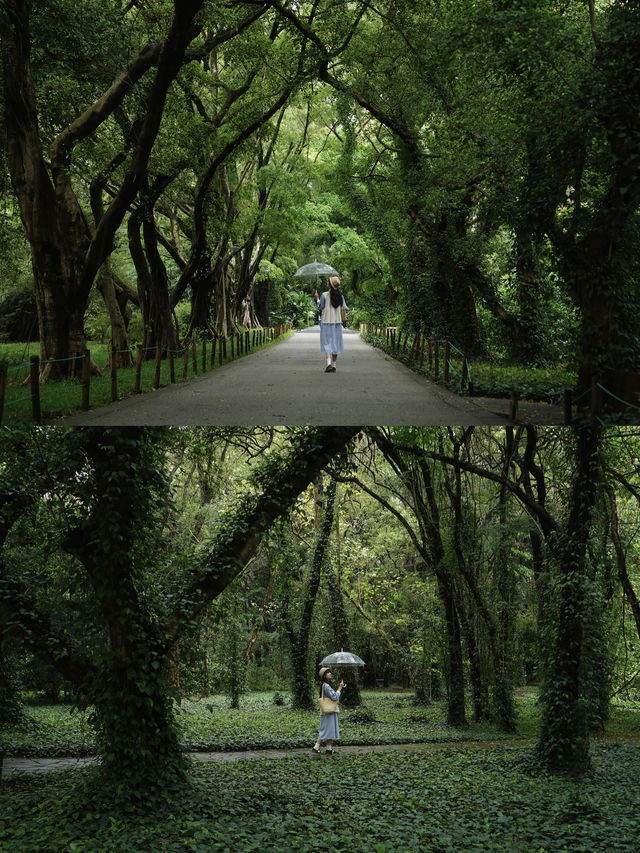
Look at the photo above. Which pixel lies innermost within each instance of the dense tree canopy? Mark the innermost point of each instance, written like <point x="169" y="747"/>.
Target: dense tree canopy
<point x="472" y="171"/>
<point x="137" y="565"/>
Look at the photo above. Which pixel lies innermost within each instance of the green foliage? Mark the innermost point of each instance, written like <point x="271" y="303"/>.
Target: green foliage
<point x="386" y="802"/>
<point x="495" y="380"/>
<point x="209" y="724"/>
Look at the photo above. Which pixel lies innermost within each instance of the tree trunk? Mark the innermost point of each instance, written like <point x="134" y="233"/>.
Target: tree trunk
<point x="119" y="334"/>
<point x="133" y="711"/>
<point x="65" y="257"/>
<point x="503" y="690"/>
<point x="477" y="675"/>
<point x="563" y="746"/>
<point x="301" y="689"/>
<point x="51" y="217"/>
<point x="351" y="696"/>
<point x="456" y="715"/>
<point x="10" y="708"/>
<point x="158" y="328"/>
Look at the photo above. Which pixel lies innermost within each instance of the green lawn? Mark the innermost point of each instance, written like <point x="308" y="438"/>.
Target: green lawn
<point x="472" y="796"/>
<point x="65" y="398"/>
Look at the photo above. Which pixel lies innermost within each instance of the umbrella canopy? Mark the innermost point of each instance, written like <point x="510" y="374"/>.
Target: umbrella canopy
<point x="342" y="659"/>
<point x="315" y="268"/>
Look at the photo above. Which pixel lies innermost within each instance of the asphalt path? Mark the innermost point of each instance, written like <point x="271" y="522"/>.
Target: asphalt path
<point x="285" y="384"/>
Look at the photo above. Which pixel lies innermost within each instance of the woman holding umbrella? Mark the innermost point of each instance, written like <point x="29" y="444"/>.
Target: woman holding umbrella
<point x="331" y="304"/>
<point x="329" y="729"/>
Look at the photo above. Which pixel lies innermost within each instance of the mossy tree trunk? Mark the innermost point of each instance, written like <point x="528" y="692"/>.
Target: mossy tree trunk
<point x="299" y="638"/>
<point x="563" y="746"/>
<point x="133" y="710"/>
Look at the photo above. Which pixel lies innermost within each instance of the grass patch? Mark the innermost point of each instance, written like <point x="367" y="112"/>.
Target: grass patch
<point x="64" y="398"/>
<point x="491" y="380"/>
<point x="455" y="799"/>
<point x="209" y="725"/>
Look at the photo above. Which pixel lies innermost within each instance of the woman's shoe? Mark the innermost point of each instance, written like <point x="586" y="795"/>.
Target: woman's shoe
<point x="328" y="752"/>
<point x="329" y="369"/>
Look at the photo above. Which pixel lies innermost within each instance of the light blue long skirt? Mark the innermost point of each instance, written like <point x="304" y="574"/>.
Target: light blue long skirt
<point x="331" y="338"/>
<point x="329" y="728"/>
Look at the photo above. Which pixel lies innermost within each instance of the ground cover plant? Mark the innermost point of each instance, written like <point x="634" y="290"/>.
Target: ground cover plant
<point x="492" y="379"/>
<point x="394" y="801"/>
<point x="209" y="724"/>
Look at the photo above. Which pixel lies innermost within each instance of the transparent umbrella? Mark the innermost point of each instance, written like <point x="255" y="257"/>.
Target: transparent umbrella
<point x="316" y="268"/>
<point x="342" y="659"/>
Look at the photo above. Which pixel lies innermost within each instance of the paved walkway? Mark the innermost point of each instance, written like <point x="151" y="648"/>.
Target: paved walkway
<point x="285" y="384"/>
<point x="12" y="766"/>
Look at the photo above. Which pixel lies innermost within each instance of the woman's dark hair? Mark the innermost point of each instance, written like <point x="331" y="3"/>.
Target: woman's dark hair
<point x="334" y="291"/>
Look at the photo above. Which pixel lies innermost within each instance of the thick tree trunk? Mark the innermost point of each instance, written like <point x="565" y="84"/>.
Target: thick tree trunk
<point x="456" y="715"/>
<point x="52" y="220"/>
<point x="65" y="257"/>
<point x="134" y="715"/>
<point x="563" y="746"/>
<point x="119" y="334"/>
<point x="10" y="708"/>
<point x="158" y="328"/>
<point x="477" y="674"/>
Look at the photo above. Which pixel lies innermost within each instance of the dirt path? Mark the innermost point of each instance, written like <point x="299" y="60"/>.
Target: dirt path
<point x="286" y="385"/>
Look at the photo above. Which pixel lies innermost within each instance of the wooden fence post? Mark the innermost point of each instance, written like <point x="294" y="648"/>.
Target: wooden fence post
<point x="194" y="356"/>
<point x="463" y="378"/>
<point x="436" y="357"/>
<point x="232" y="352"/>
<point x="223" y="350"/>
<point x="3" y="385"/>
<point x="204" y="355"/>
<point x="422" y="343"/>
<point x="214" y="343"/>
<point x="447" y="358"/>
<point x="86" y="381"/>
<point x="430" y="353"/>
<point x="185" y="357"/>
<point x="513" y="406"/>
<point x="172" y="366"/>
<point x="568" y="406"/>
<point x="34" y="381"/>
<point x="596" y="399"/>
<point x="113" y="366"/>
<point x="156" y="367"/>
<point x="137" y="386"/>
<point x="415" y="347"/>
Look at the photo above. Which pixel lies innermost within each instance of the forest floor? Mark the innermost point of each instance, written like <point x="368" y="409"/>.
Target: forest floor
<point x="254" y="784"/>
<point x="286" y="385"/>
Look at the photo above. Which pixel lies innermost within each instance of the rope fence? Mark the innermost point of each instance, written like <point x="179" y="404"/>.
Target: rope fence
<point x="438" y="354"/>
<point x="196" y="355"/>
